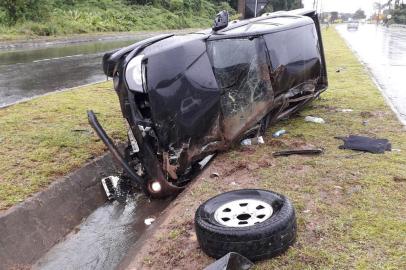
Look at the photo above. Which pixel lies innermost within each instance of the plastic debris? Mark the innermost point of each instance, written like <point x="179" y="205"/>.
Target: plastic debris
<point x="231" y="261"/>
<point x="279" y="133"/>
<point x="110" y="185"/>
<point x="312" y="119"/>
<point x="214" y="175"/>
<point x="366" y="144"/>
<point x="313" y="151"/>
<point x="149" y="221"/>
<point x="347" y="110"/>
<point x="253" y="141"/>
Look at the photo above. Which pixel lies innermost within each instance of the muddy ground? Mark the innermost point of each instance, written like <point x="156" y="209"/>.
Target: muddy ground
<point x="350" y="206"/>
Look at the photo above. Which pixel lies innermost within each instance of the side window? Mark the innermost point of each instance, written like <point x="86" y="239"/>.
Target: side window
<point x="242" y="72"/>
<point x="294" y="55"/>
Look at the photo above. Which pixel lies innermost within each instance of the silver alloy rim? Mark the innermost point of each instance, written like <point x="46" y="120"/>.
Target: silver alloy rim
<point x="242" y="213"/>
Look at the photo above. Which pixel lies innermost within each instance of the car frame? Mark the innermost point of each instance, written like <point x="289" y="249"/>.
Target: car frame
<point x="188" y="97"/>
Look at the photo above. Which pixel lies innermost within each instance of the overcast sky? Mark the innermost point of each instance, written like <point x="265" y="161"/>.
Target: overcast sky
<point x="349" y="6"/>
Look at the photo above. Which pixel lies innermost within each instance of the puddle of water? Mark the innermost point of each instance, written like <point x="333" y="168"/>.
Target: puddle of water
<point x="104" y="238"/>
<point x="383" y="51"/>
<point x="28" y="73"/>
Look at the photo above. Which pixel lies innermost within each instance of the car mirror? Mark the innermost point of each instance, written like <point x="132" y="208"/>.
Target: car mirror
<point x="221" y="21"/>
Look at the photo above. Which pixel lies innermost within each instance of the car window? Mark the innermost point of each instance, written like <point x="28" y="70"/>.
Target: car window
<point x="294" y="55"/>
<point x="241" y="70"/>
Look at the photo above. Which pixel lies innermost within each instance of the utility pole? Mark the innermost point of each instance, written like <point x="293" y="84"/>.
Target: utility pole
<point x="241" y="8"/>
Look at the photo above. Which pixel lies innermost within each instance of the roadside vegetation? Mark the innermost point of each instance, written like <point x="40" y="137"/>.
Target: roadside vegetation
<point x="61" y="17"/>
<point x="48" y="137"/>
<point x="350" y="206"/>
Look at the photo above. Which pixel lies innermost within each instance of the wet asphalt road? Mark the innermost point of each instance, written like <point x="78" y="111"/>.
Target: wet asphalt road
<point x="28" y="73"/>
<point x="383" y="51"/>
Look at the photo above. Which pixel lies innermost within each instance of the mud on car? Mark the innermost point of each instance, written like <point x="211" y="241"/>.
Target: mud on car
<point x="187" y="97"/>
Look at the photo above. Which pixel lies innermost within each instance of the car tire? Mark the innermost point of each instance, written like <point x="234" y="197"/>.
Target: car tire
<point x="256" y="239"/>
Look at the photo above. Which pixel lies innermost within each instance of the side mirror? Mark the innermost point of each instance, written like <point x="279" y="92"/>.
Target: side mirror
<point x="221" y="21"/>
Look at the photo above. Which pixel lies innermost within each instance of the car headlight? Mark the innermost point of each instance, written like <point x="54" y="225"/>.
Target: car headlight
<point x="134" y="74"/>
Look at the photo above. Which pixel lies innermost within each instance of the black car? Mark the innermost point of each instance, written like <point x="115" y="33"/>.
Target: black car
<point x="187" y="97"/>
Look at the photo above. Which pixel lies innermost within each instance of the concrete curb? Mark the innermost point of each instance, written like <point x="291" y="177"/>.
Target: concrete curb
<point x="31" y="228"/>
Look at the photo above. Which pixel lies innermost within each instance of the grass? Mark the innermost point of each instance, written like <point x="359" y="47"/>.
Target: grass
<point x="351" y="206"/>
<point x="49" y="137"/>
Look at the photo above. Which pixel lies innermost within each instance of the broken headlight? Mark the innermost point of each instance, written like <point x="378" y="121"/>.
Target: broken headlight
<point x="134" y="74"/>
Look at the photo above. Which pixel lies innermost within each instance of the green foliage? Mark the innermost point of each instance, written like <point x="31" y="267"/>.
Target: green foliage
<point x="85" y="16"/>
<point x="33" y="10"/>
<point x="359" y="14"/>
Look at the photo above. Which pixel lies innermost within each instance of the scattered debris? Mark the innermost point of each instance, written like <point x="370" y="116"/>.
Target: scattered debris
<point x="365" y="122"/>
<point x="347" y="110"/>
<point x="312" y="119"/>
<point x="279" y="133"/>
<point x="306" y="211"/>
<point x="314" y="151"/>
<point x="338" y="187"/>
<point x="149" y="221"/>
<point x="110" y="185"/>
<point x="204" y="161"/>
<point x="253" y="141"/>
<point x="396" y="150"/>
<point x="338" y="70"/>
<point x="366" y="144"/>
<point x="354" y="189"/>
<point x="399" y="179"/>
<point x="231" y="261"/>
<point x="214" y="175"/>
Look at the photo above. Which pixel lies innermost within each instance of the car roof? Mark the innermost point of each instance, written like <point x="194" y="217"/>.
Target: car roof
<point x="267" y="23"/>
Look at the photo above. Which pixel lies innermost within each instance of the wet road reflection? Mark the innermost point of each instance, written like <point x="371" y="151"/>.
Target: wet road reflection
<point x="383" y="50"/>
<point x="104" y="238"/>
<point x="28" y="73"/>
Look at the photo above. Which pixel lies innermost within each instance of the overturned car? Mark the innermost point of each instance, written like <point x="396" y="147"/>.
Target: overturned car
<point x="188" y="97"/>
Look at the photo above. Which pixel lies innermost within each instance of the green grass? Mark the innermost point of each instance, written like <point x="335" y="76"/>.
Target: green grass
<point x="49" y="137"/>
<point x="351" y="206"/>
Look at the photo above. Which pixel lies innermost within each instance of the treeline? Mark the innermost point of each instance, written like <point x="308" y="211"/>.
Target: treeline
<point x="15" y="11"/>
<point x="51" y="17"/>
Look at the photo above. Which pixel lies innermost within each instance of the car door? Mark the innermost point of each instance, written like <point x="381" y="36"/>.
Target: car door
<point x="241" y="67"/>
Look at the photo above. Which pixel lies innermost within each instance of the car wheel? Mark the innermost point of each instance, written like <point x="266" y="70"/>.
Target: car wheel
<point x="258" y="224"/>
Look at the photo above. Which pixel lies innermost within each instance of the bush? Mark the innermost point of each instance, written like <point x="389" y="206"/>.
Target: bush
<point x="33" y="10"/>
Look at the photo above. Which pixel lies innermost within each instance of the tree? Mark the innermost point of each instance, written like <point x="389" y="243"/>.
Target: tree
<point x="334" y="16"/>
<point x="359" y="14"/>
<point x="34" y="10"/>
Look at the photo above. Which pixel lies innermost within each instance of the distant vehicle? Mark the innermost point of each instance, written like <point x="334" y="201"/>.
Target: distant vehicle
<point x="352" y="25"/>
<point x="187" y="97"/>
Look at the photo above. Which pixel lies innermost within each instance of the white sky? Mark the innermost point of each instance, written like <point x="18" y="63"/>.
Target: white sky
<point x="349" y="6"/>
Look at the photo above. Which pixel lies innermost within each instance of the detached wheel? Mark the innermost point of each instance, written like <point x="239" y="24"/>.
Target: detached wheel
<point x="258" y="224"/>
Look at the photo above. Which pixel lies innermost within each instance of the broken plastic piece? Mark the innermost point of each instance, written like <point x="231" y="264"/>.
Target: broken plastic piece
<point x="253" y="141"/>
<point x="347" y="110"/>
<point x="312" y="119"/>
<point x="315" y="151"/>
<point x="149" y="221"/>
<point x="366" y="144"/>
<point x="279" y="133"/>
<point x="110" y="185"/>
<point x="231" y="261"/>
<point x="214" y="175"/>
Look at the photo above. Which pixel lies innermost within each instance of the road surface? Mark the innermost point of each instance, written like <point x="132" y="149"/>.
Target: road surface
<point x="383" y="51"/>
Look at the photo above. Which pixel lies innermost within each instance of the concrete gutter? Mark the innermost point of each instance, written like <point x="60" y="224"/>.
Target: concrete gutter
<point x="28" y="230"/>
